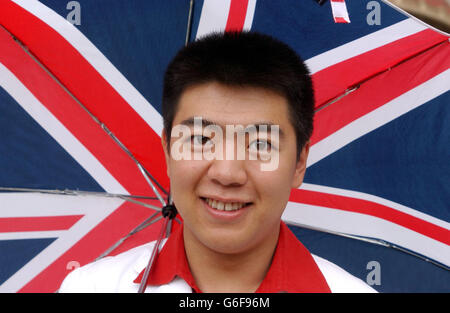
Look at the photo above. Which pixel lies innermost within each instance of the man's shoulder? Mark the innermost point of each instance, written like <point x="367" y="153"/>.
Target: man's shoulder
<point x="117" y="273"/>
<point x="109" y="274"/>
<point x="339" y="280"/>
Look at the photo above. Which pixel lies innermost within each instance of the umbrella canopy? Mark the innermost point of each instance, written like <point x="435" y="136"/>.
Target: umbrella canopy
<point x="80" y="129"/>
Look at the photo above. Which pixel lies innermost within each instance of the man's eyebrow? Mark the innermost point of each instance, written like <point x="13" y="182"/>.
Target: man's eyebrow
<point x="260" y="126"/>
<point x="267" y="126"/>
<point x="190" y="121"/>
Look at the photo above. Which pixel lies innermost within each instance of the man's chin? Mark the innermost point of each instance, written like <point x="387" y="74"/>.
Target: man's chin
<point x="228" y="244"/>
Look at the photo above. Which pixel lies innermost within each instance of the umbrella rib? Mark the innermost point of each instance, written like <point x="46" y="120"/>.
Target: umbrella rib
<point x="417" y="255"/>
<point x="69" y="192"/>
<point x="141" y="203"/>
<point x="147" y="222"/>
<point x="359" y="84"/>
<point x="151" y="185"/>
<point x="189" y="23"/>
<point x="96" y="120"/>
<point x="379" y="242"/>
<point x="346" y="92"/>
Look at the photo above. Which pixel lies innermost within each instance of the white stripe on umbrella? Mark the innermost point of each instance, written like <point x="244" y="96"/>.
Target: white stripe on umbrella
<point x="378" y="200"/>
<point x="215" y="13"/>
<point x="31" y="235"/>
<point x="344" y="222"/>
<point x="250" y="14"/>
<point x="340" y="13"/>
<point x="214" y="17"/>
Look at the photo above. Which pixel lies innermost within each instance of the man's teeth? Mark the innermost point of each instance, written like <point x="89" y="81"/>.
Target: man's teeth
<point x="224" y="206"/>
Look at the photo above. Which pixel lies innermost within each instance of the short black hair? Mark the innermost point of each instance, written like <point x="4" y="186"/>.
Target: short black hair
<point x="242" y="59"/>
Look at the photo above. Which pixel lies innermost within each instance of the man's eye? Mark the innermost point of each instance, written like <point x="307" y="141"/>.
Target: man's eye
<point x="260" y="145"/>
<point x="199" y="140"/>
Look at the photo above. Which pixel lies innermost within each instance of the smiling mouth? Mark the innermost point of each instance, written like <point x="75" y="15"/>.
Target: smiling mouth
<point x="225" y="206"/>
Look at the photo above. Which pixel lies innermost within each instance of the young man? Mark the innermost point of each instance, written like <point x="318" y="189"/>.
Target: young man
<point x="230" y="189"/>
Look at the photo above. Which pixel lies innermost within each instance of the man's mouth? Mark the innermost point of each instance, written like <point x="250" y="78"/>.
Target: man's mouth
<point x="225" y="206"/>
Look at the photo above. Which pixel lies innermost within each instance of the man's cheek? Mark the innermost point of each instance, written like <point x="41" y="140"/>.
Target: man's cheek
<point x="272" y="162"/>
<point x="186" y="174"/>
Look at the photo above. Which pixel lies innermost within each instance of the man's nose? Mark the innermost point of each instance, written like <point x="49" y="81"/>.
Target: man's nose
<point x="228" y="172"/>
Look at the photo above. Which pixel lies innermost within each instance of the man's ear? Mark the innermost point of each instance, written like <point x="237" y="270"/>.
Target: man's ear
<point x="165" y="148"/>
<point x="300" y="167"/>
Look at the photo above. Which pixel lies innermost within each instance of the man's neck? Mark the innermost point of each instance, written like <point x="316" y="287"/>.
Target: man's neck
<point x="219" y="272"/>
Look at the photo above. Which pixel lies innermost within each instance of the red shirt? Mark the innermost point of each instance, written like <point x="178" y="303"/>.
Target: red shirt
<point x="293" y="268"/>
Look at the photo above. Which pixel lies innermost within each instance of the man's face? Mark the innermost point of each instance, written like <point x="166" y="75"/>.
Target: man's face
<point x="203" y="189"/>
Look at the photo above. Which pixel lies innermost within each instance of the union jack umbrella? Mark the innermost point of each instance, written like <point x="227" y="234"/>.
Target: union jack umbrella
<point x="82" y="170"/>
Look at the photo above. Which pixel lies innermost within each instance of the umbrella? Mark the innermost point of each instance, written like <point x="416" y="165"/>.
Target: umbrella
<point x="82" y="168"/>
